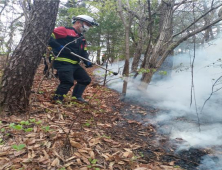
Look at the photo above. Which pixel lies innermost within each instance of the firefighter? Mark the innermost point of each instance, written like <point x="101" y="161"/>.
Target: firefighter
<point x="67" y="64"/>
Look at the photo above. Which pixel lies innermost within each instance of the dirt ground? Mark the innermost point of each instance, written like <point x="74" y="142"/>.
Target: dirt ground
<point x="77" y="136"/>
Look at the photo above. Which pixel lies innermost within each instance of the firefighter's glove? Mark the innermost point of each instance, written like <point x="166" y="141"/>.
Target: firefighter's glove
<point x="88" y="64"/>
<point x="64" y="50"/>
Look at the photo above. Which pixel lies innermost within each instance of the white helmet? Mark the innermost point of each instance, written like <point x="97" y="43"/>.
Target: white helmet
<point x="85" y="18"/>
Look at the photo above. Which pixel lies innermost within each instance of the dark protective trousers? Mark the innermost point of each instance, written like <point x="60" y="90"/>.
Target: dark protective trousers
<point x="67" y="74"/>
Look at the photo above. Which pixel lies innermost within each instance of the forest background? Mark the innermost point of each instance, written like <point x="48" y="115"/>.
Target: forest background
<point x="144" y="31"/>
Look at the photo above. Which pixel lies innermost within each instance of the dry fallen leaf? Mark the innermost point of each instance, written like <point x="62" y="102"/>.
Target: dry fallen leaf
<point x="128" y="154"/>
<point x="111" y="165"/>
<point x="83" y="151"/>
<point x="75" y="144"/>
<point x="3" y="153"/>
<point x="79" y="161"/>
<point x="142" y="168"/>
<point x="92" y="155"/>
<point x="171" y="163"/>
<point x="31" y="154"/>
<point x="73" y="157"/>
<point x="18" y="153"/>
<point x="55" y="162"/>
<point x="83" y="168"/>
<point x="111" y="141"/>
<point x="68" y="164"/>
<point x="31" y="135"/>
<point x="121" y="163"/>
<point x="94" y="141"/>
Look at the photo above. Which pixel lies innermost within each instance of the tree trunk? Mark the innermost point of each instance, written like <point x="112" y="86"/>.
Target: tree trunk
<point x="98" y="56"/>
<point x="127" y="24"/>
<point x="126" y="65"/>
<point x="162" y="43"/>
<point x="146" y="77"/>
<point x="18" y="76"/>
<point x="207" y="19"/>
<point x="139" y="45"/>
<point x="98" y="50"/>
<point x="136" y="57"/>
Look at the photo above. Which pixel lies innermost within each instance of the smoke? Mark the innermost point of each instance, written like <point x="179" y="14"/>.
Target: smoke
<point x="212" y="162"/>
<point x="178" y="117"/>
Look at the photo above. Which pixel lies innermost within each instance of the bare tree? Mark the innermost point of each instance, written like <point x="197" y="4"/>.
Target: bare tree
<point x="162" y="40"/>
<point x="18" y="76"/>
<point x="127" y="21"/>
<point x="167" y="41"/>
<point x="141" y="17"/>
<point x="208" y="35"/>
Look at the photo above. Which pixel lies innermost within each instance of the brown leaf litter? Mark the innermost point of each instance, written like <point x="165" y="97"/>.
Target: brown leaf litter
<point x="77" y="136"/>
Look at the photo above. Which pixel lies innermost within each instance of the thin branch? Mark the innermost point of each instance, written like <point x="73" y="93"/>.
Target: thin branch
<point x="175" y="44"/>
<point x="179" y="4"/>
<point x="120" y="11"/>
<point x="196" y="21"/>
<point x="5" y="4"/>
<point x="192" y="75"/>
<point x="212" y="92"/>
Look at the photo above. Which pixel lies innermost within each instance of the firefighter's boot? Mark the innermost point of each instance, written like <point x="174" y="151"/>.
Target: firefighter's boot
<point x="78" y="91"/>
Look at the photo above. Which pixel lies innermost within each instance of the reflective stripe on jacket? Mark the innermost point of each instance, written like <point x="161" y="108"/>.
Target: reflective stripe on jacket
<point x="66" y="60"/>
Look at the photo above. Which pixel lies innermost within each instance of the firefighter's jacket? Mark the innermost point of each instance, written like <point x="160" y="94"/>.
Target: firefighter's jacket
<point x="63" y="36"/>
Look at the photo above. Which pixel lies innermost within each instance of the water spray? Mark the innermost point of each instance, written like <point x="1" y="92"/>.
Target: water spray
<point x="114" y="73"/>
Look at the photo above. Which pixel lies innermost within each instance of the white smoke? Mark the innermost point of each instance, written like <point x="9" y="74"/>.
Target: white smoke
<point x="174" y="95"/>
<point x="211" y="163"/>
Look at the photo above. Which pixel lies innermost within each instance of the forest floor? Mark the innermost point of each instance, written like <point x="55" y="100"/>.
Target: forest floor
<point x="76" y="136"/>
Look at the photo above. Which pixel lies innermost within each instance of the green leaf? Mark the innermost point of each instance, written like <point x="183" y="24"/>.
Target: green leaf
<point x="176" y="166"/>
<point x="39" y="122"/>
<point x="153" y="70"/>
<point x="18" y="147"/>
<point x="94" y="161"/>
<point x="32" y="120"/>
<point x="17" y="127"/>
<point x="11" y="125"/>
<point x="1" y="142"/>
<point x="163" y="73"/>
<point x="58" y="102"/>
<point x="74" y="98"/>
<point x="2" y="129"/>
<point x="142" y="70"/>
<point x="25" y="122"/>
<point x="62" y="168"/>
<point x="41" y="92"/>
<point x="87" y="124"/>
<point x="46" y="128"/>
<point x="28" y="129"/>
